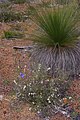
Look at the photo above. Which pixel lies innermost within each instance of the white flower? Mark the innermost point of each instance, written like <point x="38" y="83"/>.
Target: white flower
<point x="15" y="82"/>
<point x="79" y="74"/>
<point x="48" y="68"/>
<point x="47" y="80"/>
<point x="39" y="66"/>
<point x="1" y="97"/>
<point x="29" y="84"/>
<point x="24" y="87"/>
<point x="41" y="82"/>
<point x="70" y="98"/>
<point x="55" y="89"/>
<point x="37" y="106"/>
<point x="63" y="112"/>
<point x="18" y="66"/>
<point x="33" y="103"/>
<point x="60" y="100"/>
<point x="30" y="109"/>
<point x="38" y="70"/>
<point x="49" y="101"/>
<point x="48" y="98"/>
<point x="52" y="95"/>
<point x="18" y="94"/>
<point x="32" y="93"/>
<point x="25" y="66"/>
<point x="25" y="50"/>
<point x="68" y="116"/>
<point x="29" y="93"/>
<point x="38" y="112"/>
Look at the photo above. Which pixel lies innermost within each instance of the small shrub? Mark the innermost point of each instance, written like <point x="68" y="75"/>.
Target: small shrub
<point x="9" y="16"/>
<point x="42" y="92"/>
<point x="13" y="34"/>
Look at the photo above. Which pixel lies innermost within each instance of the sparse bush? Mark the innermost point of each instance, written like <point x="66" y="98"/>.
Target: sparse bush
<point x="13" y="34"/>
<point x="42" y="92"/>
<point x="9" y="16"/>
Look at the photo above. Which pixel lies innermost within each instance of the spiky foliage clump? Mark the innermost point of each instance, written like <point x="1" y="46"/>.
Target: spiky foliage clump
<point x="57" y="39"/>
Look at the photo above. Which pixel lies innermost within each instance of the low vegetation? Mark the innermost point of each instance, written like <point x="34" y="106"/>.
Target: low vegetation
<point x="13" y="34"/>
<point x="9" y="16"/>
<point x="18" y="1"/>
<point x="42" y="92"/>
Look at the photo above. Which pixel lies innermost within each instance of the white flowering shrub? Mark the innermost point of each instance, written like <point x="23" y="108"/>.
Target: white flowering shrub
<point x="42" y="92"/>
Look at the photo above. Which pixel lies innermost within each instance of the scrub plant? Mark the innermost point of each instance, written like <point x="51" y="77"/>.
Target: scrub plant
<point x="43" y="93"/>
<point x="9" y="16"/>
<point x="13" y="34"/>
<point x="57" y="42"/>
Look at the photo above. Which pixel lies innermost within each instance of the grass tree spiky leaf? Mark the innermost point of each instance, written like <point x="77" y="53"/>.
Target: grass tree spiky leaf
<point x="58" y="46"/>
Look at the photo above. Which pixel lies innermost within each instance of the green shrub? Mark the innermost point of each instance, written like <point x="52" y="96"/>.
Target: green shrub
<point x="13" y="34"/>
<point x="57" y="39"/>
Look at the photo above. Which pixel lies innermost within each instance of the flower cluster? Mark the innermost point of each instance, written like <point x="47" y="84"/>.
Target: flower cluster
<point x="43" y="92"/>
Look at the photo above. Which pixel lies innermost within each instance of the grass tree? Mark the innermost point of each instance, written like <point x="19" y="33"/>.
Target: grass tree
<point x="57" y="43"/>
<point x="78" y="2"/>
